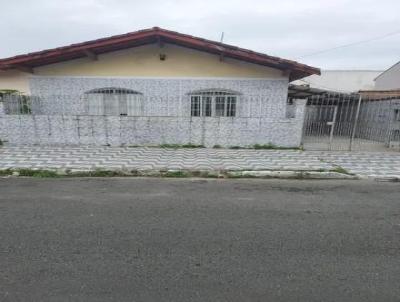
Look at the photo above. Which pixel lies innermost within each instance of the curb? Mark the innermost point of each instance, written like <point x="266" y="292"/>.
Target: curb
<point x="169" y="173"/>
<point x="291" y="174"/>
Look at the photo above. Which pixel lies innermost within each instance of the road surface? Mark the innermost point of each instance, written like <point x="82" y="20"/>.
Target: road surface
<point x="132" y="239"/>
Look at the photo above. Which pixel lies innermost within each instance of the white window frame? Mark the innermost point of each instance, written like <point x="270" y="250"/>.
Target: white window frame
<point x="114" y="101"/>
<point x="229" y="101"/>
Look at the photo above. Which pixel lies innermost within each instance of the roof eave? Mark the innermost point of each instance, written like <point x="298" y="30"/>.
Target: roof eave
<point x="154" y="35"/>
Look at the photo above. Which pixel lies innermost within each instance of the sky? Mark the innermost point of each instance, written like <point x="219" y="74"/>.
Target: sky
<point x="286" y="28"/>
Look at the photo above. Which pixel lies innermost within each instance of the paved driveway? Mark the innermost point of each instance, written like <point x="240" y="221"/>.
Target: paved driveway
<point x="364" y="164"/>
<point x="134" y="239"/>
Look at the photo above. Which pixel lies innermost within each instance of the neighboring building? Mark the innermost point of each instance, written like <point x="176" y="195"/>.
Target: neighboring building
<point x="389" y="79"/>
<point x="151" y="87"/>
<point x="342" y="80"/>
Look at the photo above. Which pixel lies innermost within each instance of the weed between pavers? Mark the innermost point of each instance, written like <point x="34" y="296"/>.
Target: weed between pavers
<point x="30" y="173"/>
<point x="341" y="170"/>
<point x="6" y="172"/>
<point x="178" y="146"/>
<point x="165" y="173"/>
<point x="178" y="174"/>
<point x="268" y="146"/>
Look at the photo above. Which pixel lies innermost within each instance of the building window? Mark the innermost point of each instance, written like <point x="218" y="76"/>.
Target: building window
<point x="213" y="103"/>
<point x="114" y="101"/>
<point x="17" y="104"/>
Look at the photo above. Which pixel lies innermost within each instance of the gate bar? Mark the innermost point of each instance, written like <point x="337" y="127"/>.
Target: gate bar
<point x="353" y="134"/>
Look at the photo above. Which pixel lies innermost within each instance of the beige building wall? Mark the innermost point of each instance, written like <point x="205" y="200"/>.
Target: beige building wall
<point x="14" y="79"/>
<point x="144" y="61"/>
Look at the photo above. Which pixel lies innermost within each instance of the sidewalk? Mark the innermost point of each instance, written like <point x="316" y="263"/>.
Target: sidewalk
<point x="86" y="158"/>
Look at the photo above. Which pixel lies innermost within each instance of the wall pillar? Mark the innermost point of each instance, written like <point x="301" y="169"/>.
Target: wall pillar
<point x="2" y="109"/>
<point x="300" y="116"/>
<point x="300" y="108"/>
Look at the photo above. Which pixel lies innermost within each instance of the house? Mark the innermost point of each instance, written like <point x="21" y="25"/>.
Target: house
<point x="389" y="79"/>
<point x="150" y="87"/>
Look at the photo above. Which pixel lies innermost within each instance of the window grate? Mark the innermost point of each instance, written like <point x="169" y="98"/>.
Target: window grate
<point x="214" y="103"/>
<point x="114" y="101"/>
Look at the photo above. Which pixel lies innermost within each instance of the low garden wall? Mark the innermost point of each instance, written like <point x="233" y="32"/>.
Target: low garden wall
<point x="153" y="130"/>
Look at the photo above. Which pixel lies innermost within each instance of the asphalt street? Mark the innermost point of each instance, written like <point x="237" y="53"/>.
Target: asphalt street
<point x="148" y="239"/>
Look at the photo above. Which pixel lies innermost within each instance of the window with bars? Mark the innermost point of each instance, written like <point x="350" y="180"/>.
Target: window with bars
<point x="114" y="101"/>
<point x="213" y="103"/>
<point x="17" y="104"/>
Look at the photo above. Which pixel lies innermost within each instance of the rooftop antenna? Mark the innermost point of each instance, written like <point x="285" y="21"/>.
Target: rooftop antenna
<point x="222" y="37"/>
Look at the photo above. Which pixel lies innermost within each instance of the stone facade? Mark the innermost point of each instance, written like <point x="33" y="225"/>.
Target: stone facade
<point x="262" y="114"/>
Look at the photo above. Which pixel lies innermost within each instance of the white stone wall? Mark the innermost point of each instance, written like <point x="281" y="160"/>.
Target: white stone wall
<point x="115" y="130"/>
<point x="65" y="123"/>
<point x="163" y="97"/>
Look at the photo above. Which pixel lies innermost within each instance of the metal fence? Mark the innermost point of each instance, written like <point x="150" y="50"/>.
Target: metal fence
<point x="351" y="122"/>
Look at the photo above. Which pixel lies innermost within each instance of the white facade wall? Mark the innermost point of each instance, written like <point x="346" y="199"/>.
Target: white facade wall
<point x="261" y="114"/>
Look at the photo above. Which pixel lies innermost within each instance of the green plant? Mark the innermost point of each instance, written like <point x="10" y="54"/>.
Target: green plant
<point x="271" y="146"/>
<point x="190" y="145"/>
<point x="1" y="143"/>
<point x="24" y="101"/>
<point x="25" y="105"/>
<point x="97" y="173"/>
<point x="177" y="174"/>
<point x="340" y="170"/>
<point x="265" y="146"/>
<point x="217" y="146"/>
<point x="6" y="172"/>
<point x="4" y="92"/>
<point x="170" y="146"/>
<point x="178" y="146"/>
<point x="37" y="173"/>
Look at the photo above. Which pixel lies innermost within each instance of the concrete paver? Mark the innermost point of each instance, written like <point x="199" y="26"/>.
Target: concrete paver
<point x="363" y="164"/>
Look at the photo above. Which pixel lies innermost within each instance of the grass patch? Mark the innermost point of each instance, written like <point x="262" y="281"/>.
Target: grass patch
<point x="96" y="173"/>
<point x="178" y="146"/>
<point x="271" y="146"/>
<point x="33" y="173"/>
<point x="176" y="174"/>
<point x="192" y="146"/>
<point x="1" y="143"/>
<point x="268" y="146"/>
<point x="217" y="147"/>
<point x="6" y="172"/>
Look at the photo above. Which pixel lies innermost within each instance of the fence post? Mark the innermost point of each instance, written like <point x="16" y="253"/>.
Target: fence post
<point x="389" y="132"/>
<point x="353" y="134"/>
<point x="333" y="124"/>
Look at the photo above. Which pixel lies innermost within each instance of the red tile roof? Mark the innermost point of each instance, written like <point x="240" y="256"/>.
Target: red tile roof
<point x="153" y="35"/>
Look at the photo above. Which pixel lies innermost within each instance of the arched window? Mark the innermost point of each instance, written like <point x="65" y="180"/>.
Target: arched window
<point x="113" y="101"/>
<point x="213" y="102"/>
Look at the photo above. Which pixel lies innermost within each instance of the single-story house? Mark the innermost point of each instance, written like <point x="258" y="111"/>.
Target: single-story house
<point x="150" y="87"/>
